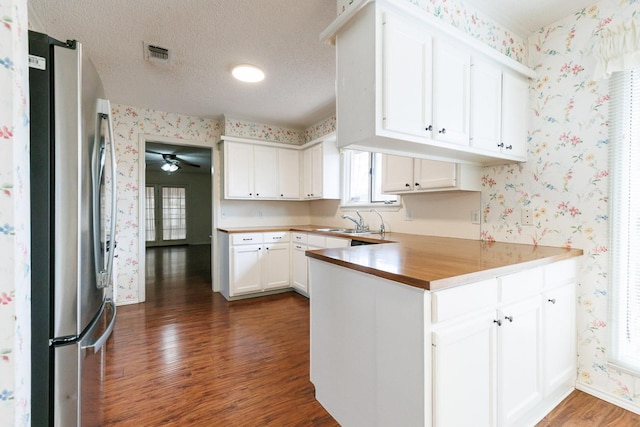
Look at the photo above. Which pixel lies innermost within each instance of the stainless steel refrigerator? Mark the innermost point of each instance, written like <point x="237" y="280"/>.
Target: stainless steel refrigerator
<point x="73" y="213"/>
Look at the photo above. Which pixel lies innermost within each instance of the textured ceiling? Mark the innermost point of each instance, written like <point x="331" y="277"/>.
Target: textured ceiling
<point x="206" y="38"/>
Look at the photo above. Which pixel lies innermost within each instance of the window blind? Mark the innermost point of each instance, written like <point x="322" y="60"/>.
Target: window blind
<point x="624" y="205"/>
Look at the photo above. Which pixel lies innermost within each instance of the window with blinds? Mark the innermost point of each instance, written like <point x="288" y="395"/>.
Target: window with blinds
<point x="174" y="213"/>
<point x="624" y="202"/>
<point x="150" y="214"/>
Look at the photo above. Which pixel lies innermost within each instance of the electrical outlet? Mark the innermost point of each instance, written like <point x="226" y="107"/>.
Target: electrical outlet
<point x="527" y="216"/>
<point x="475" y="217"/>
<point x="408" y="215"/>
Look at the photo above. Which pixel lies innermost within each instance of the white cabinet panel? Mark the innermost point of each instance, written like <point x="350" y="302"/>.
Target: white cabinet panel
<point x="406" y="78"/>
<point x="486" y="105"/>
<point x="238" y="160"/>
<point x="300" y="268"/>
<point x="265" y="166"/>
<point x="397" y="174"/>
<point x="246" y="274"/>
<point x="519" y="366"/>
<point x="289" y="174"/>
<point x="515" y="115"/>
<point x="450" y="92"/>
<point x="464" y="387"/>
<point x="431" y="174"/>
<point x="277" y="262"/>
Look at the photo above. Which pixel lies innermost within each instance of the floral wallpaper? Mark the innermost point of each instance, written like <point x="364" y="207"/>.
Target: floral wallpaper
<point x="247" y="129"/>
<point x="320" y="129"/>
<point x="565" y="179"/>
<point x="15" y="322"/>
<point x="471" y="22"/>
<point x="129" y="123"/>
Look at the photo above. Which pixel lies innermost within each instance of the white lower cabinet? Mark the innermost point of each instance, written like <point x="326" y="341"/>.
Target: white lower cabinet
<point x="493" y="353"/>
<point x="301" y="242"/>
<point x="259" y="262"/>
<point x="510" y="359"/>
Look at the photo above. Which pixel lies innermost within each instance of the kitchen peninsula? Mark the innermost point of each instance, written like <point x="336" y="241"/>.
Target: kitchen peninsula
<point x="434" y="331"/>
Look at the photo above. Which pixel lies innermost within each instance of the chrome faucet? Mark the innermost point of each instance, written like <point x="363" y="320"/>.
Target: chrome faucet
<point x="360" y="227"/>
<point x="382" y="230"/>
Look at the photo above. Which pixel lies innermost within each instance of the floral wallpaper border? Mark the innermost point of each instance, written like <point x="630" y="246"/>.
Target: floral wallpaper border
<point x="264" y="132"/>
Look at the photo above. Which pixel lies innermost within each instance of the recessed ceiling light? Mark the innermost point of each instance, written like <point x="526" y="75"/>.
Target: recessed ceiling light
<point x="247" y="73"/>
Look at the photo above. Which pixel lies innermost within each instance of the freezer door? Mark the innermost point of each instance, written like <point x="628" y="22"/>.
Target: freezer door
<point x="79" y="375"/>
<point x="77" y="88"/>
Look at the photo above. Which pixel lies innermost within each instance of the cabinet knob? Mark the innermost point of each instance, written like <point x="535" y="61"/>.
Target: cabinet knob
<point x="499" y="322"/>
<point x="429" y="128"/>
<point x="407" y="185"/>
<point x="509" y="147"/>
<point x="257" y="194"/>
<point x="251" y="194"/>
<point x="442" y="131"/>
<point x="552" y="300"/>
<point x="509" y="318"/>
<point x="501" y="145"/>
<point x="281" y="195"/>
<point x="417" y="184"/>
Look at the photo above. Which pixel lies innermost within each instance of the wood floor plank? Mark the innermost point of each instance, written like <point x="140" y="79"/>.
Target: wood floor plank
<point x="187" y="357"/>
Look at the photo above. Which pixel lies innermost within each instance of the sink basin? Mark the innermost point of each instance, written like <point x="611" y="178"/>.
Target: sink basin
<point x="345" y="231"/>
<point x="335" y="230"/>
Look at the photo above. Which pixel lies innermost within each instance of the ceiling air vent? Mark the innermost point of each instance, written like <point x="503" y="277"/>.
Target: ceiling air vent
<point x="155" y="53"/>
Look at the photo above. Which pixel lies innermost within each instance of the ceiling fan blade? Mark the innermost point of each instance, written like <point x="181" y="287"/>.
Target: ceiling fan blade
<point x="187" y="162"/>
<point x="153" y="152"/>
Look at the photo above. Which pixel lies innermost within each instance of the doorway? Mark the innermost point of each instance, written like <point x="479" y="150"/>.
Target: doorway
<point x="176" y="207"/>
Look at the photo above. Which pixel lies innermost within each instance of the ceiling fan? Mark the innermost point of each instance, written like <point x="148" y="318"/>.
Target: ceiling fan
<point x="172" y="162"/>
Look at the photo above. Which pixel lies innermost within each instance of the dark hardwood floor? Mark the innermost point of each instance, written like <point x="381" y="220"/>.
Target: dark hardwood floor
<point x="187" y="357"/>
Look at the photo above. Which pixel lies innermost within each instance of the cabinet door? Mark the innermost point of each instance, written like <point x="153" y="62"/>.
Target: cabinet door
<point x="397" y="174"/>
<point x="486" y="106"/>
<point x="431" y="174"/>
<point x="238" y="171"/>
<point x="245" y="269"/>
<point x="559" y="338"/>
<point x="515" y="117"/>
<point x="265" y="172"/>
<point x="300" y="268"/>
<point x="406" y="77"/>
<point x="464" y="366"/>
<point x="450" y="93"/>
<point x="307" y="173"/>
<point x="520" y="357"/>
<point x="276" y="263"/>
<point x="288" y="173"/>
<point x="317" y="171"/>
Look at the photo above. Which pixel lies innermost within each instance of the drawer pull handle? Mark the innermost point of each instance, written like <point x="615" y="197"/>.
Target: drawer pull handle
<point x="552" y="300"/>
<point x="247" y="240"/>
<point x="499" y="322"/>
<point x="509" y="318"/>
<point x="429" y="128"/>
<point x="501" y="145"/>
<point x="443" y="131"/>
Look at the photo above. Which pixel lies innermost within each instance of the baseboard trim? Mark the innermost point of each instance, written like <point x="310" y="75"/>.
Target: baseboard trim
<point x="624" y="404"/>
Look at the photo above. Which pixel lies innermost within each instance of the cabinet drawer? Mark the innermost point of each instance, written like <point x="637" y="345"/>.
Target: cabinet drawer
<point x="246" y="238"/>
<point x="520" y="285"/>
<point x="316" y="240"/>
<point x="463" y="299"/>
<point x="559" y="273"/>
<point x="277" y="237"/>
<point x="336" y="242"/>
<point x="299" y="238"/>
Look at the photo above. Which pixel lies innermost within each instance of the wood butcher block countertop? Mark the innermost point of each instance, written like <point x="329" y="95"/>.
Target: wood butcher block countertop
<point x="429" y="262"/>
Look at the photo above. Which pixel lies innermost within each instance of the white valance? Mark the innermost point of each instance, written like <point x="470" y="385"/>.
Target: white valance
<point x="617" y="49"/>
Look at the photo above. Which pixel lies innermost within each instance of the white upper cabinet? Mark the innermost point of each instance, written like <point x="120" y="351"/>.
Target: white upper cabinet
<point x="515" y="114"/>
<point x="404" y="87"/>
<point x="238" y="160"/>
<point x="271" y="171"/>
<point x="289" y="173"/>
<point x="265" y="176"/>
<point x="404" y="174"/>
<point x="406" y="74"/>
<point x="499" y="115"/>
<point x="451" y="65"/>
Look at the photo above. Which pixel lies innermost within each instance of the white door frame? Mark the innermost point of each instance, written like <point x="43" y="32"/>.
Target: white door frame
<point x="142" y="180"/>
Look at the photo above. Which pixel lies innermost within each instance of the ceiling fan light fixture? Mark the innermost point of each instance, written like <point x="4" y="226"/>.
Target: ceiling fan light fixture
<point x="169" y="167"/>
<point x="247" y="73"/>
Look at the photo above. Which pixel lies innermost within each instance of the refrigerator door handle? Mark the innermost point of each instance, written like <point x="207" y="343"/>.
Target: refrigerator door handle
<point x="98" y="343"/>
<point x="104" y="276"/>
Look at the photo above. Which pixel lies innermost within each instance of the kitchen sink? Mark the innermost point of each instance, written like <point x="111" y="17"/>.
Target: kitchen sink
<point x="345" y="231"/>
